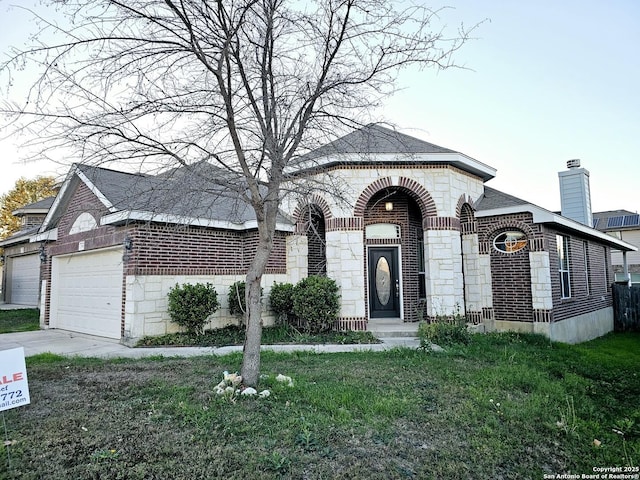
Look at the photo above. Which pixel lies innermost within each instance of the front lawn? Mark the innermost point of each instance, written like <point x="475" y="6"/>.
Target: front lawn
<point x="21" y="320"/>
<point x="506" y="406"/>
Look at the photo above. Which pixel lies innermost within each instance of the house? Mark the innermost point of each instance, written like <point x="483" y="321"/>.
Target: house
<point x="623" y="225"/>
<point x="21" y="272"/>
<point x="410" y="233"/>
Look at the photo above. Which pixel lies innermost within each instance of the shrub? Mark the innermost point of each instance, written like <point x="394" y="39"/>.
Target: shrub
<point x="191" y="305"/>
<point x="316" y="303"/>
<point x="237" y="302"/>
<point x="281" y="300"/>
<point x="444" y="333"/>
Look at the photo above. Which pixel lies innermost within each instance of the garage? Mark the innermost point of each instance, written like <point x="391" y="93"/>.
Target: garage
<point x="86" y="292"/>
<point x="24" y="282"/>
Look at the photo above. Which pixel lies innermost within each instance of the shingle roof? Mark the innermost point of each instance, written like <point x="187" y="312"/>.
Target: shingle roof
<point x="194" y="191"/>
<point x="492" y="199"/>
<point x="375" y="139"/>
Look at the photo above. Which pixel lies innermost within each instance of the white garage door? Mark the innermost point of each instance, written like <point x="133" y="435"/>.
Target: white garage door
<point x="24" y="283"/>
<point x="86" y="292"/>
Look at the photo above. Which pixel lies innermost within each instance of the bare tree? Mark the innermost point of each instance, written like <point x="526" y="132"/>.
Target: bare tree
<point x="247" y="85"/>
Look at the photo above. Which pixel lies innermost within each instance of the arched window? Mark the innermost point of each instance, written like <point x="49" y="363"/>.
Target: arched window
<point x="316" y="240"/>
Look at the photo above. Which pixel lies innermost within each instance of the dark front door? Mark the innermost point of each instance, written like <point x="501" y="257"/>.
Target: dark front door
<point x="384" y="282"/>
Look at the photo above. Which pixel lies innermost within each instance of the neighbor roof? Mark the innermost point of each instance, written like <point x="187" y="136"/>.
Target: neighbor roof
<point x="616" y="220"/>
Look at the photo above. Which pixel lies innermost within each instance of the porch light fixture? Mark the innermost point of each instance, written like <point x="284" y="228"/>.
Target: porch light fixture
<point x="128" y="244"/>
<point x="42" y="254"/>
<point x="388" y="206"/>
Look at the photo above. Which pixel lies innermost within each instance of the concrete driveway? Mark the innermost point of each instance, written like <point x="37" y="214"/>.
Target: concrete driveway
<point x="72" y="344"/>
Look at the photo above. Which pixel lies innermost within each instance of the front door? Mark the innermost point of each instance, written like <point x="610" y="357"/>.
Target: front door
<point x="384" y="282"/>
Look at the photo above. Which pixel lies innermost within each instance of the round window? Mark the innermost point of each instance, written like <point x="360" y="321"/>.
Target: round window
<point x="510" y="242"/>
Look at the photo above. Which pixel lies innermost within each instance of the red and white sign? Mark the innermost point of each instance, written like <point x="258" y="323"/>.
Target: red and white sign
<point x="14" y="388"/>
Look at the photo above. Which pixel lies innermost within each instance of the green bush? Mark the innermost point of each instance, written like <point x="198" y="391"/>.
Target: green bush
<point x="316" y="303"/>
<point x="281" y="300"/>
<point x="191" y="305"/>
<point x="443" y="333"/>
<point x="237" y="302"/>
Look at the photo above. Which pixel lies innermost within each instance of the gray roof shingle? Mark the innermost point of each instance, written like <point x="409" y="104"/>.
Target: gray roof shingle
<point x="375" y="139"/>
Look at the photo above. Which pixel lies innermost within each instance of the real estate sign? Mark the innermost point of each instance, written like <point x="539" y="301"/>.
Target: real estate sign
<point x="14" y="388"/>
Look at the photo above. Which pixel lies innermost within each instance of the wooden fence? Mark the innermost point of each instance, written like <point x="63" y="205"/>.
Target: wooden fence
<point x="626" y="307"/>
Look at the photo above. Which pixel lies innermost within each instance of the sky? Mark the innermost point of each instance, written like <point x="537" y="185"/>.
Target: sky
<point x="544" y="82"/>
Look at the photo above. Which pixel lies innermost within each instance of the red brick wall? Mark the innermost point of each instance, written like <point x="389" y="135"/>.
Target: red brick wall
<point x="511" y="282"/>
<point x="581" y="301"/>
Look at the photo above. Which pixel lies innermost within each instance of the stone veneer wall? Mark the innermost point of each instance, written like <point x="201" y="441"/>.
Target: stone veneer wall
<point x="436" y="188"/>
<point x="147" y="303"/>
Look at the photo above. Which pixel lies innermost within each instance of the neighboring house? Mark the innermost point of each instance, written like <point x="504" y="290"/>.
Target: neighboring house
<point x="21" y="272"/>
<point x="413" y="234"/>
<point x="623" y="225"/>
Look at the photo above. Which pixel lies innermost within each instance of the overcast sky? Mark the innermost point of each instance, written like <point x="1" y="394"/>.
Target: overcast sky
<point x="546" y="81"/>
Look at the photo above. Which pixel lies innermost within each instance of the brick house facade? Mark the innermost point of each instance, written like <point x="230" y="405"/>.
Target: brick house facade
<point x="413" y="234"/>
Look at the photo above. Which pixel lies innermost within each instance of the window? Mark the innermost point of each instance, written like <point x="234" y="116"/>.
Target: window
<point x="510" y="242"/>
<point x="585" y="246"/>
<point x="382" y="230"/>
<point x="562" y="244"/>
<point x="422" y="276"/>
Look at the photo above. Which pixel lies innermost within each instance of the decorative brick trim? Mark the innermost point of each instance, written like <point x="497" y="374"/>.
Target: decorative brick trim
<point x="409" y="186"/>
<point x="474" y="317"/>
<point x="441" y="223"/>
<point x="543" y="316"/>
<point x="537" y="245"/>
<point x="484" y="248"/>
<point x="469" y="228"/>
<point x="344" y="224"/>
<point x="508" y="224"/>
<point x="358" y="324"/>
<point x="383" y="241"/>
<point x="155" y="271"/>
<point x="461" y="202"/>
<point x="488" y="313"/>
<point x="314" y="199"/>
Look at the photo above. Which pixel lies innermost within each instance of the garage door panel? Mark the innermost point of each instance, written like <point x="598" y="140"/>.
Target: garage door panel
<point x="25" y="280"/>
<point x="87" y="293"/>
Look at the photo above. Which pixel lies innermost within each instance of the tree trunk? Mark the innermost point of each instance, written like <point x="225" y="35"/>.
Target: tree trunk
<point x="251" y="352"/>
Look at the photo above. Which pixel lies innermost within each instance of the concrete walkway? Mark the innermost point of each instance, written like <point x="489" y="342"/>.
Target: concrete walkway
<point x="62" y="342"/>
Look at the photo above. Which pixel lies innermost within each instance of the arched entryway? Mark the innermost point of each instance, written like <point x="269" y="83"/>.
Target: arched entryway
<point x="394" y="254"/>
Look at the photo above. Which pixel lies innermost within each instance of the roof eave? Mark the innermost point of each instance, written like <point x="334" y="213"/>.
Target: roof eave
<point x="125" y="216"/>
<point x="540" y="215"/>
<point x="458" y="160"/>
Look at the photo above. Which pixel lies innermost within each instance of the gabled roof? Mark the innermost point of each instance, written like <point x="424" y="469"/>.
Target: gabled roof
<point x="494" y="202"/>
<point x="191" y="195"/>
<point x="39" y="207"/>
<point x="374" y="144"/>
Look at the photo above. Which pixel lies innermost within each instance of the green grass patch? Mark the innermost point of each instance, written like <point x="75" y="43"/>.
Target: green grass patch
<point x="504" y="406"/>
<point x="20" y="320"/>
<point x="282" y="334"/>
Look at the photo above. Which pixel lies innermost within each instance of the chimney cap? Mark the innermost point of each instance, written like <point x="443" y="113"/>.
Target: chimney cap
<point x="573" y="163"/>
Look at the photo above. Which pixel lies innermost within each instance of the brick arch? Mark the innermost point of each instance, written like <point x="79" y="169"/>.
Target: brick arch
<point x="315" y="199"/>
<point x="461" y="201"/>
<point x="412" y="188"/>
<point x="509" y="224"/>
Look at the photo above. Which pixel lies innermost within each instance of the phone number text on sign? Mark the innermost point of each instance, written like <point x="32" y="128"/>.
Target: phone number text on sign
<point x="14" y="387"/>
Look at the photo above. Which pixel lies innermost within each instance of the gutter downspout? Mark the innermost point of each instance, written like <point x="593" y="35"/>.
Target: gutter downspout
<point x="625" y="268"/>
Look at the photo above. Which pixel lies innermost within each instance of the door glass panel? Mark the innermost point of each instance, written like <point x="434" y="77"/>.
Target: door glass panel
<point x="383" y="281"/>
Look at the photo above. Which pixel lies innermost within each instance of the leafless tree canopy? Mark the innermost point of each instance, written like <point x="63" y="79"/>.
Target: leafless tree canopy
<point x="246" y="85"/>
